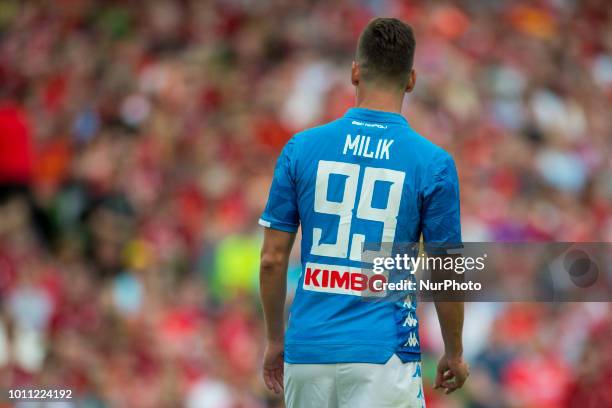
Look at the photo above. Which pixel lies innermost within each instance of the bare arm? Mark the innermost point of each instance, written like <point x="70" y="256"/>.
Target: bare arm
<point x="452" y="371"/>
<point x="273" y="280"/>
<point x="273" y="289"/>
<point x="450" y="315"/>
<point x="440" y="216"/>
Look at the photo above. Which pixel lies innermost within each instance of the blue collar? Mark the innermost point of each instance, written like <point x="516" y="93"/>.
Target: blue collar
<point x="377" y="116"/>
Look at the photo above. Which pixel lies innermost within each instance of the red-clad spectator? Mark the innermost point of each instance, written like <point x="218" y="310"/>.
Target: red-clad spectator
<point x="16" y="148"/>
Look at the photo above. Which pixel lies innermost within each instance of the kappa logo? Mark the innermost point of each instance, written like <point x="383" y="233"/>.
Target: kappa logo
<point x="410" y="321"/>
<point x="412" y="340"/>
<point x="342" y="280"/>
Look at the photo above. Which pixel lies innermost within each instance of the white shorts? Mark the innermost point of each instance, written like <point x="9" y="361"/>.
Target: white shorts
<point x="354" y="385"/>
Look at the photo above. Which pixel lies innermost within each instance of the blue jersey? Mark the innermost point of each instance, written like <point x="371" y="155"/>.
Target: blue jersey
<point x="364" y="178"/>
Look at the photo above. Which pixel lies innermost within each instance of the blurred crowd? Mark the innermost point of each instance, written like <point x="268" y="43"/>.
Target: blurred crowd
<point x="137" y="142"/>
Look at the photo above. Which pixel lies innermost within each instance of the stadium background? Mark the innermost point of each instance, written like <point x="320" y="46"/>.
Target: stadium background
<point x="137" y="141"/>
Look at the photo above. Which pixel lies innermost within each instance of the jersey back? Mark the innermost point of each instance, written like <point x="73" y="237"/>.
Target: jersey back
<point x="364" y="178"/>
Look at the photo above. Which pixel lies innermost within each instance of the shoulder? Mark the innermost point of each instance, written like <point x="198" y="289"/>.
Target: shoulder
<point x="313" y="135"/>
<point x="427" y="147"/>
<point x="440" y="163"/>
<point x="320" y="130"/>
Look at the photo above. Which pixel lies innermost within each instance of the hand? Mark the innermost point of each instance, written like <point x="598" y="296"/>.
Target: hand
<point x="451" y="373"/>
<point x="273" y="366"/>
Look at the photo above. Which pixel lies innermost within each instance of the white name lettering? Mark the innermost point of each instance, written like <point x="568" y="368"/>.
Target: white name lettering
<point x="360" y="146"/>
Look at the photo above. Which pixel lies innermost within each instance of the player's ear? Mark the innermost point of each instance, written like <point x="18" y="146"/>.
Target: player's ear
<point x="411" y="81"/>
<point x="355" y="74"/>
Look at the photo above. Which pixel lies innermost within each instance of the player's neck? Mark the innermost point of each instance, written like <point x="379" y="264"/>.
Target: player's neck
<point x="380" y="100"/>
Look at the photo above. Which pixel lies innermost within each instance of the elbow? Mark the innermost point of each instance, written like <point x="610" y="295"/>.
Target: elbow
<point x="272" y="261"/>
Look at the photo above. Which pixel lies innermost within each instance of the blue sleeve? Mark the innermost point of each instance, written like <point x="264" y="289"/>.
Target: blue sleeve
<point x="281" y="211"/>
<point x="440" y="210"/>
